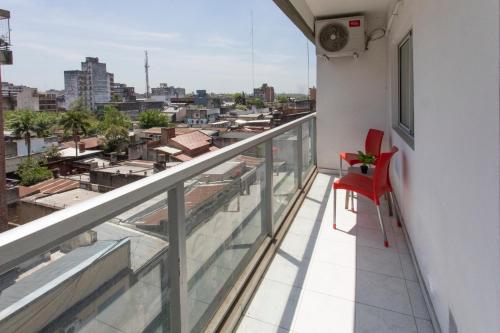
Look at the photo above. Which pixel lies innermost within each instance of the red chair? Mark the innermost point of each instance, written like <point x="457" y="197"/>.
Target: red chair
<point x="373" y="143"/>
<point x="371" y="187"/>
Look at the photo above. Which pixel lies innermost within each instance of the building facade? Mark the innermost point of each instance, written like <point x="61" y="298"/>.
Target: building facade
<point x="31" y="99"/>
<point x="201" y="97"/>
<point x="120" y="92"/>
<point x="201" y="116"/>
<point x="165" y="92"/>
<point x="264" y="93"/>
<point x="92" y="84"/>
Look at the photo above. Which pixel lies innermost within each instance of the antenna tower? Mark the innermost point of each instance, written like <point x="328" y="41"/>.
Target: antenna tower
<point x="253" y="63"/>
<point x="146" y="70"/>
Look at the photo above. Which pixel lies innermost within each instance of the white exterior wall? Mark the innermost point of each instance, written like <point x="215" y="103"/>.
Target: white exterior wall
<point x="351" y="99"/>
<point x="448" y="187"/>
<point x="28" y="99"/>
<point x="38" y="145"/>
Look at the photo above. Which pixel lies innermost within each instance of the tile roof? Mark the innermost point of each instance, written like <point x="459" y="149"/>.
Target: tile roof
<point x="194" y="199"/>
<point x="183" y="157"/>
<point x="193" y="140"/>
<point x="89" y="143"/>
<point x="178" y="130"/>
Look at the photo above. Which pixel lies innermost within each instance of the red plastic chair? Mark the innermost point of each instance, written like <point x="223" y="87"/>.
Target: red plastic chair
<point x="373" y="143"/>
<point x="371" y="187"/>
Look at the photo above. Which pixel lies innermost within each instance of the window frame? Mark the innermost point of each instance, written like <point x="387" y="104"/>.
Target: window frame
<point x="406" y="132"/>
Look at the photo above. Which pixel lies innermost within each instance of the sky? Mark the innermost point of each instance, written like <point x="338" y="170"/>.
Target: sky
<point x="195" y="44"/>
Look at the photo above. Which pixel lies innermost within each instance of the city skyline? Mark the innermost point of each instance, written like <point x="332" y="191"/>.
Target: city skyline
<point x="214" y="54"/>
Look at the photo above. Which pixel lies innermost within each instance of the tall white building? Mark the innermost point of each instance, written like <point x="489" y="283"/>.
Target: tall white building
<point x="92" y="83"/>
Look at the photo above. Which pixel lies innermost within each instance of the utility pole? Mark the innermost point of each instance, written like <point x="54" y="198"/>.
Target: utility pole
<point x="308" y="83"/>
<point x="146" y="69"/>
<point x="5" y="59"/>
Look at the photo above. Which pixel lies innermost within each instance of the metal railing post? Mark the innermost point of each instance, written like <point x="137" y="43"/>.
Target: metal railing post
<point x="300" y="158"/>
<point x="267" y="191"/>
<point x="313" y="135"/>
<point x="177" y="259"/>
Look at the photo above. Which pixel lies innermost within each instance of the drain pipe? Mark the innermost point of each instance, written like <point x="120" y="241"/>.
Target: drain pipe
<point x="394" y="13"/>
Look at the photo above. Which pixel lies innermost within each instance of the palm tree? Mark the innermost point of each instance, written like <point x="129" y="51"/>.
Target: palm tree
<point x="44" y="123"/>
<point x="76" y="121"/>
<point x="114" y="126"/>
<point x="22" y="125"/>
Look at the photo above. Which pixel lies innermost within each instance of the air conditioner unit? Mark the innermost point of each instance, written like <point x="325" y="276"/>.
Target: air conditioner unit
<point x="340" y="37"/>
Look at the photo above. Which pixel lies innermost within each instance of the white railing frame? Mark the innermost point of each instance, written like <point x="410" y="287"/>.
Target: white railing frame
<point x="43" y="234"/>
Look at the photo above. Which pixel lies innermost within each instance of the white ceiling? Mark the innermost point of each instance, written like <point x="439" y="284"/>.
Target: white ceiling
<point x="321" y="8"/>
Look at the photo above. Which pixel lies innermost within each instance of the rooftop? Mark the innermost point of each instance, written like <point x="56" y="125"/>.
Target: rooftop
<point x="127" y="169"/>
<point x="64" y="199"/>
<point x="50" y="186"/>
<point x="193" y="140"/>
<point x="90" y="143"/>
<point x="70" y="152"/>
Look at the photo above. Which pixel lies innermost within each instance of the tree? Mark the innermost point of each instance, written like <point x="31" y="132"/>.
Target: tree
<point x="114" y="127"/>
<point x="31" y="172"/>
<point x="76" y="121"/>
<point x="44" y="123"/>
<point x="239" y="98"/>
<point x="52" y="153"/>
<point x="257" y="102"/>
<point x="23" y="124"/>
<point x="116" y="98"/>
<point x="152" y="118"/>
<point x="282" y="99"/>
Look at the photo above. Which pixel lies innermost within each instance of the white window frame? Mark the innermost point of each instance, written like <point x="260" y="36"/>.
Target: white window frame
<point x="407" y="131"/>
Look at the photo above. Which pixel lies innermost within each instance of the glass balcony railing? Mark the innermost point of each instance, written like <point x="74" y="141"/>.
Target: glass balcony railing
<point x="162" y="254"/>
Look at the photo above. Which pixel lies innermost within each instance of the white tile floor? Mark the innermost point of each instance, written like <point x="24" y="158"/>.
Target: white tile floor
<point x="325" y="280"/>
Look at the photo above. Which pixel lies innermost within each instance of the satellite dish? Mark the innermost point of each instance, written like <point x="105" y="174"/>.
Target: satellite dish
<point x="334" y="37"/>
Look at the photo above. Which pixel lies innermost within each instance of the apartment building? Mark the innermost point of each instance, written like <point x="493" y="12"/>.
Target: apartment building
<point x="264" y="93"/>
<point x="91" y="84"/>
<point x="165" y="92"/>
<point x="31" y="99"/>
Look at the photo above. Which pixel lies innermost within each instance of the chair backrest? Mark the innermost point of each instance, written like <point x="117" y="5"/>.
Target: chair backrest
<point x="373" y="142"/>
<point x="381" y="181"/>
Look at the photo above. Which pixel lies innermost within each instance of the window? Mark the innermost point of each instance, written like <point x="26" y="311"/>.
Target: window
<point x="405" y="115"/>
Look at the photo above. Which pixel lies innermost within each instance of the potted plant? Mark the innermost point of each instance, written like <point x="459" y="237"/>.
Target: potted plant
<point x="366" y="159"/>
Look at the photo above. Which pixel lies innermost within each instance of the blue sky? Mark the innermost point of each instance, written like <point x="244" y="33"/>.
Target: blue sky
<point x="196" y="44"/>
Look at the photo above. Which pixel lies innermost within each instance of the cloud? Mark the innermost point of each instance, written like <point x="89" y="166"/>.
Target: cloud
<point x="140" y="34"/>
<point x="127" y="46"/>
<point x="223" y="42"/>
<point x="51" y="50"/>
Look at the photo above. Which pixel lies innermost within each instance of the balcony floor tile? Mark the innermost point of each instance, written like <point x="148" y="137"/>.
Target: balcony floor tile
<point x="344" y="280"/>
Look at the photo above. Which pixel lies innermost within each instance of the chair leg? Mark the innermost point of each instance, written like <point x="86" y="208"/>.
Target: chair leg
<point x="340" y="170"/>
<point x="386" y="242"/>
<point x="352" y="200"/>
<point x="389" y="203"/>
<point x="334" y="209"/>
<point x="391" y="196"/>
<point x="346" y="199"/>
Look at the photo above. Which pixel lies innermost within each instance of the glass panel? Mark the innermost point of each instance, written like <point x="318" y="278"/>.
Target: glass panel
<point x="307" y="157"/>
<point x="406" y="84"/>
<point x="285" y="173"/>
<point x="224" y="228"/>
<point x="112" y="278"/>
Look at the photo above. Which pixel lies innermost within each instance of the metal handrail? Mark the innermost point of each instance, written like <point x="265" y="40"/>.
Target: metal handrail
<point x="25" y="241"/>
